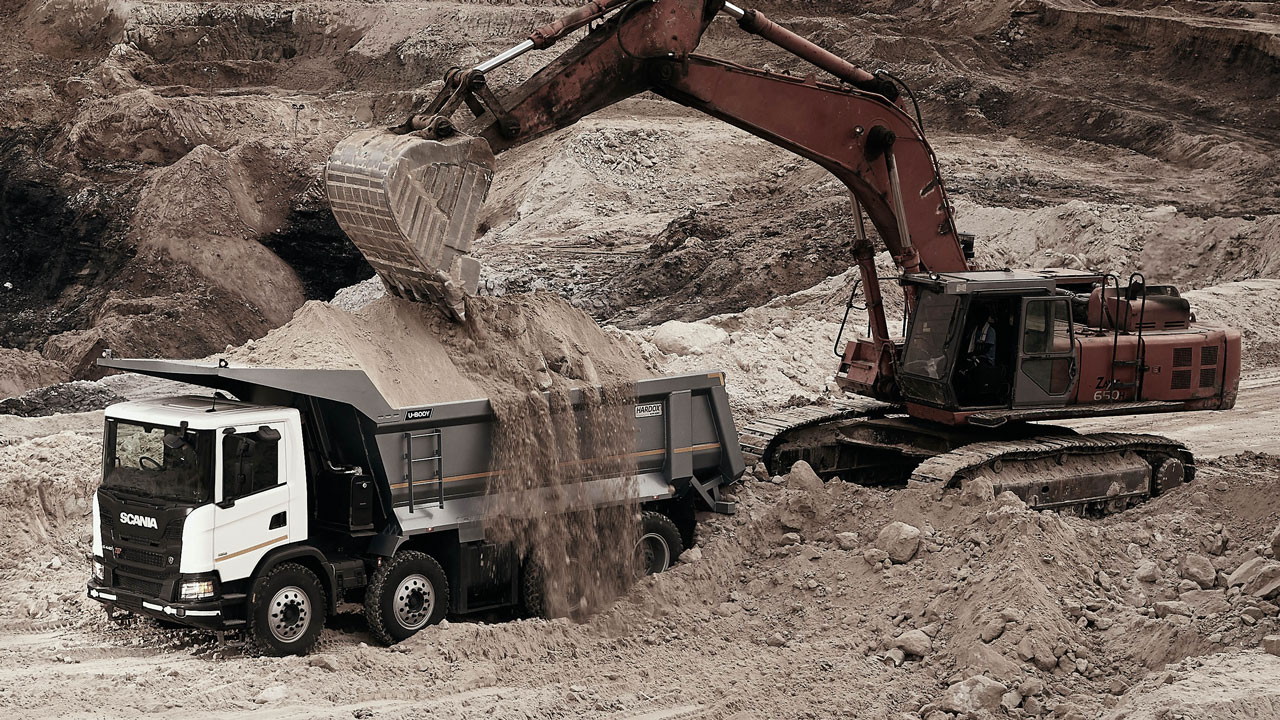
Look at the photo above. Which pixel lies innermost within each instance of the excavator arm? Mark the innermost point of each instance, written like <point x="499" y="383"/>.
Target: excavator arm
<point x="409" y="198"/>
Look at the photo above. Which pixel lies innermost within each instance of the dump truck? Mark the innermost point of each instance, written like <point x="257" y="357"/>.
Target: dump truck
<point x="265" y="512"/>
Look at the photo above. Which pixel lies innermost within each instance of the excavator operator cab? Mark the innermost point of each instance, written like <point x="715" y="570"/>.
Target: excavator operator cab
<point x="990" y="339"/>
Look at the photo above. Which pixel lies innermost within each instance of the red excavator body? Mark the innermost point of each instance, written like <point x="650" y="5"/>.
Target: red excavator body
<point x="982" y="349"/>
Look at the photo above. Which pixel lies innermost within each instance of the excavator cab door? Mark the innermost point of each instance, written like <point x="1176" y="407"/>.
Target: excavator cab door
<point x="1047" y="367"/>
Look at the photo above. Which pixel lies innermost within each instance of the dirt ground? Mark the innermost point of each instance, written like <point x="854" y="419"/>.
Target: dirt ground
<point x="159" y="195"/>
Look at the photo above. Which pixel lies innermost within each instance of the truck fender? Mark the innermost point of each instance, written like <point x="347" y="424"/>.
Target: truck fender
<point x="295" y="552"/>
<point x="385" y="544"/>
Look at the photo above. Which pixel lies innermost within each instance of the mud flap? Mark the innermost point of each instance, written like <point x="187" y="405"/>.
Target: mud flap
<point x="410" y="205"/>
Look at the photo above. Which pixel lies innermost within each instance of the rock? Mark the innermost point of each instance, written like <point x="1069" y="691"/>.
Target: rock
<point x="1045" y="660"/>
<point x="1147" y="571"/>
<point x="847" y="540"/>
<point x="1266" y="583"/>
<point x="1172" y="607"/>
<point x="1248" y="571"/>
<point x="1198" y="569"/>
<point x="790" y="539"/>
<point x="914" y="643"/>
<point x="1031" y="687"/>
<point x="1206" y="602"/>
<point x="726" y="609"/>
<point x="1032" y="706"/>
<point x="1271" y="644"/>
<point x="875" y="556"/>
<point x="977" y="491"/>
<point x="899" y="541"/>
<point x="275" y="693"/>
<point x="1275" y="542"/>
<point x="991" y="630"/>
<point x="681" y="338"/>
<point x="328" y="662"/>
<point x="692" y="555"/>
<point x="1213" y="543"/>
<point x="55" y="563"/>
<point x="807" y="503"/>
<point x="973" y="695"/>
<point x="776" y="640"/>
<point x="894" y="656"/>
<point x="1010" y="700"/>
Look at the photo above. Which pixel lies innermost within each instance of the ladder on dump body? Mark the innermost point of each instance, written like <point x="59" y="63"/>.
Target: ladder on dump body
<point x="436" y="457"/>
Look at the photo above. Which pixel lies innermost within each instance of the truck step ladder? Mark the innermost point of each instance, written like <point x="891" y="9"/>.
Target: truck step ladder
<point x="436" y="457"/>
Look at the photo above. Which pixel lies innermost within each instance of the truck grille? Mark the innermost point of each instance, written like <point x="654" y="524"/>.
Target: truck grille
<point x="150" y="588"/>
<point x="141" y="557"/>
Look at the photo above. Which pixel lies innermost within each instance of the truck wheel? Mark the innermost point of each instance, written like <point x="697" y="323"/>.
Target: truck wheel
<point x="659" y="543"/>
<point x="533" y="598"/>
<point x="287" y="608"/>
<point x="409" y="592"/>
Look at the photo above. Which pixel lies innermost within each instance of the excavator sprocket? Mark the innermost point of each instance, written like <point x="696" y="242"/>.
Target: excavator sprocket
<point x="1048" y="467"/>
<point x="410" y="205"/>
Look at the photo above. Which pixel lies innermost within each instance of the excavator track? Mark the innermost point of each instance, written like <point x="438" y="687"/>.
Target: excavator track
<point x="1048" y="467"/>
<point x="1026" y="467"/>
<point x="760" y="437"/>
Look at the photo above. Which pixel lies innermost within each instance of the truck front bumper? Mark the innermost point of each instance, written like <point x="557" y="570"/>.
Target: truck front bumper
<point x="208" y="614"/>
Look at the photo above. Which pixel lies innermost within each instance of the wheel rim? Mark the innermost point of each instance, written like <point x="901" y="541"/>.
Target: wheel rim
<point x="654" y="553"/>
<point x="414" y="602"/>
<point x="290" y="613"/>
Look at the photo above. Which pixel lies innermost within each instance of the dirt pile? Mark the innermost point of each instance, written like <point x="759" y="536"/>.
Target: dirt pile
<point x="415" y="355"/>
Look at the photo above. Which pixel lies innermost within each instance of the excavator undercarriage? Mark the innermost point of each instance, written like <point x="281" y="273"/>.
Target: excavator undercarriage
<point x="1048" y="467"/>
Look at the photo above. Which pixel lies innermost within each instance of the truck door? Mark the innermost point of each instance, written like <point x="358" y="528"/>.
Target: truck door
<point x="1046" y="371"/>
<point x="252" y="511"/>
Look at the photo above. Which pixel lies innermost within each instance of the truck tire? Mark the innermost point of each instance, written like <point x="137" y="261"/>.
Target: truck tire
<point x="659" y="544"/>
<point x="533" y="598"/>
<point x="409" y="592"/>
<point x="287" y="610"/>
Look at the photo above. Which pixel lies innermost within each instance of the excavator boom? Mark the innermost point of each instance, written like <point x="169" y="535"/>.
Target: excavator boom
<point x="409" y="196"/>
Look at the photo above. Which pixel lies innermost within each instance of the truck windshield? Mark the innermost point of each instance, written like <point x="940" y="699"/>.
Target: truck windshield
<point x="155" y="461"/>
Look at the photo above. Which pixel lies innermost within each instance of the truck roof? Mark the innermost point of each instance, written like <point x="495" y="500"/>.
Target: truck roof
<point x="200" y="412"/>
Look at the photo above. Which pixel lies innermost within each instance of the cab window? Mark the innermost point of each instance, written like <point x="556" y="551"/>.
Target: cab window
<point x="250" y="462"/>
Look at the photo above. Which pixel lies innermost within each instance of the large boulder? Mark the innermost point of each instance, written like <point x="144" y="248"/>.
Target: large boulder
<point x="899" y="541"/>
<point x="1198" y="569"/>
<point x="1266" y="583"/>
<point x="973" y="695"/>
<point x="1248" y="570"/>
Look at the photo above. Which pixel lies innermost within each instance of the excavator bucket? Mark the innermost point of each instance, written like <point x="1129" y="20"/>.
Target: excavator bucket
<point x="410" y="205"/>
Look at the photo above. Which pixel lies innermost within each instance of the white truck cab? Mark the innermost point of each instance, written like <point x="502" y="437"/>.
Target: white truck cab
<point x="195" y="492"/>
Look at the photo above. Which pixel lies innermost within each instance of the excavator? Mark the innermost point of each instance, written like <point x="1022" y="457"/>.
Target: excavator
<point x="988" y="355"/>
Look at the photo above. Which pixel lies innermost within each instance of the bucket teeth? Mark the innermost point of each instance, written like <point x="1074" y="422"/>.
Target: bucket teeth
<point x="410" y="205"/>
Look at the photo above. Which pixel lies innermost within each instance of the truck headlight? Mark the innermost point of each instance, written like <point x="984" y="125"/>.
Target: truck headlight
<point x="196" y="589"/>
<point x="99" y="573"/>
